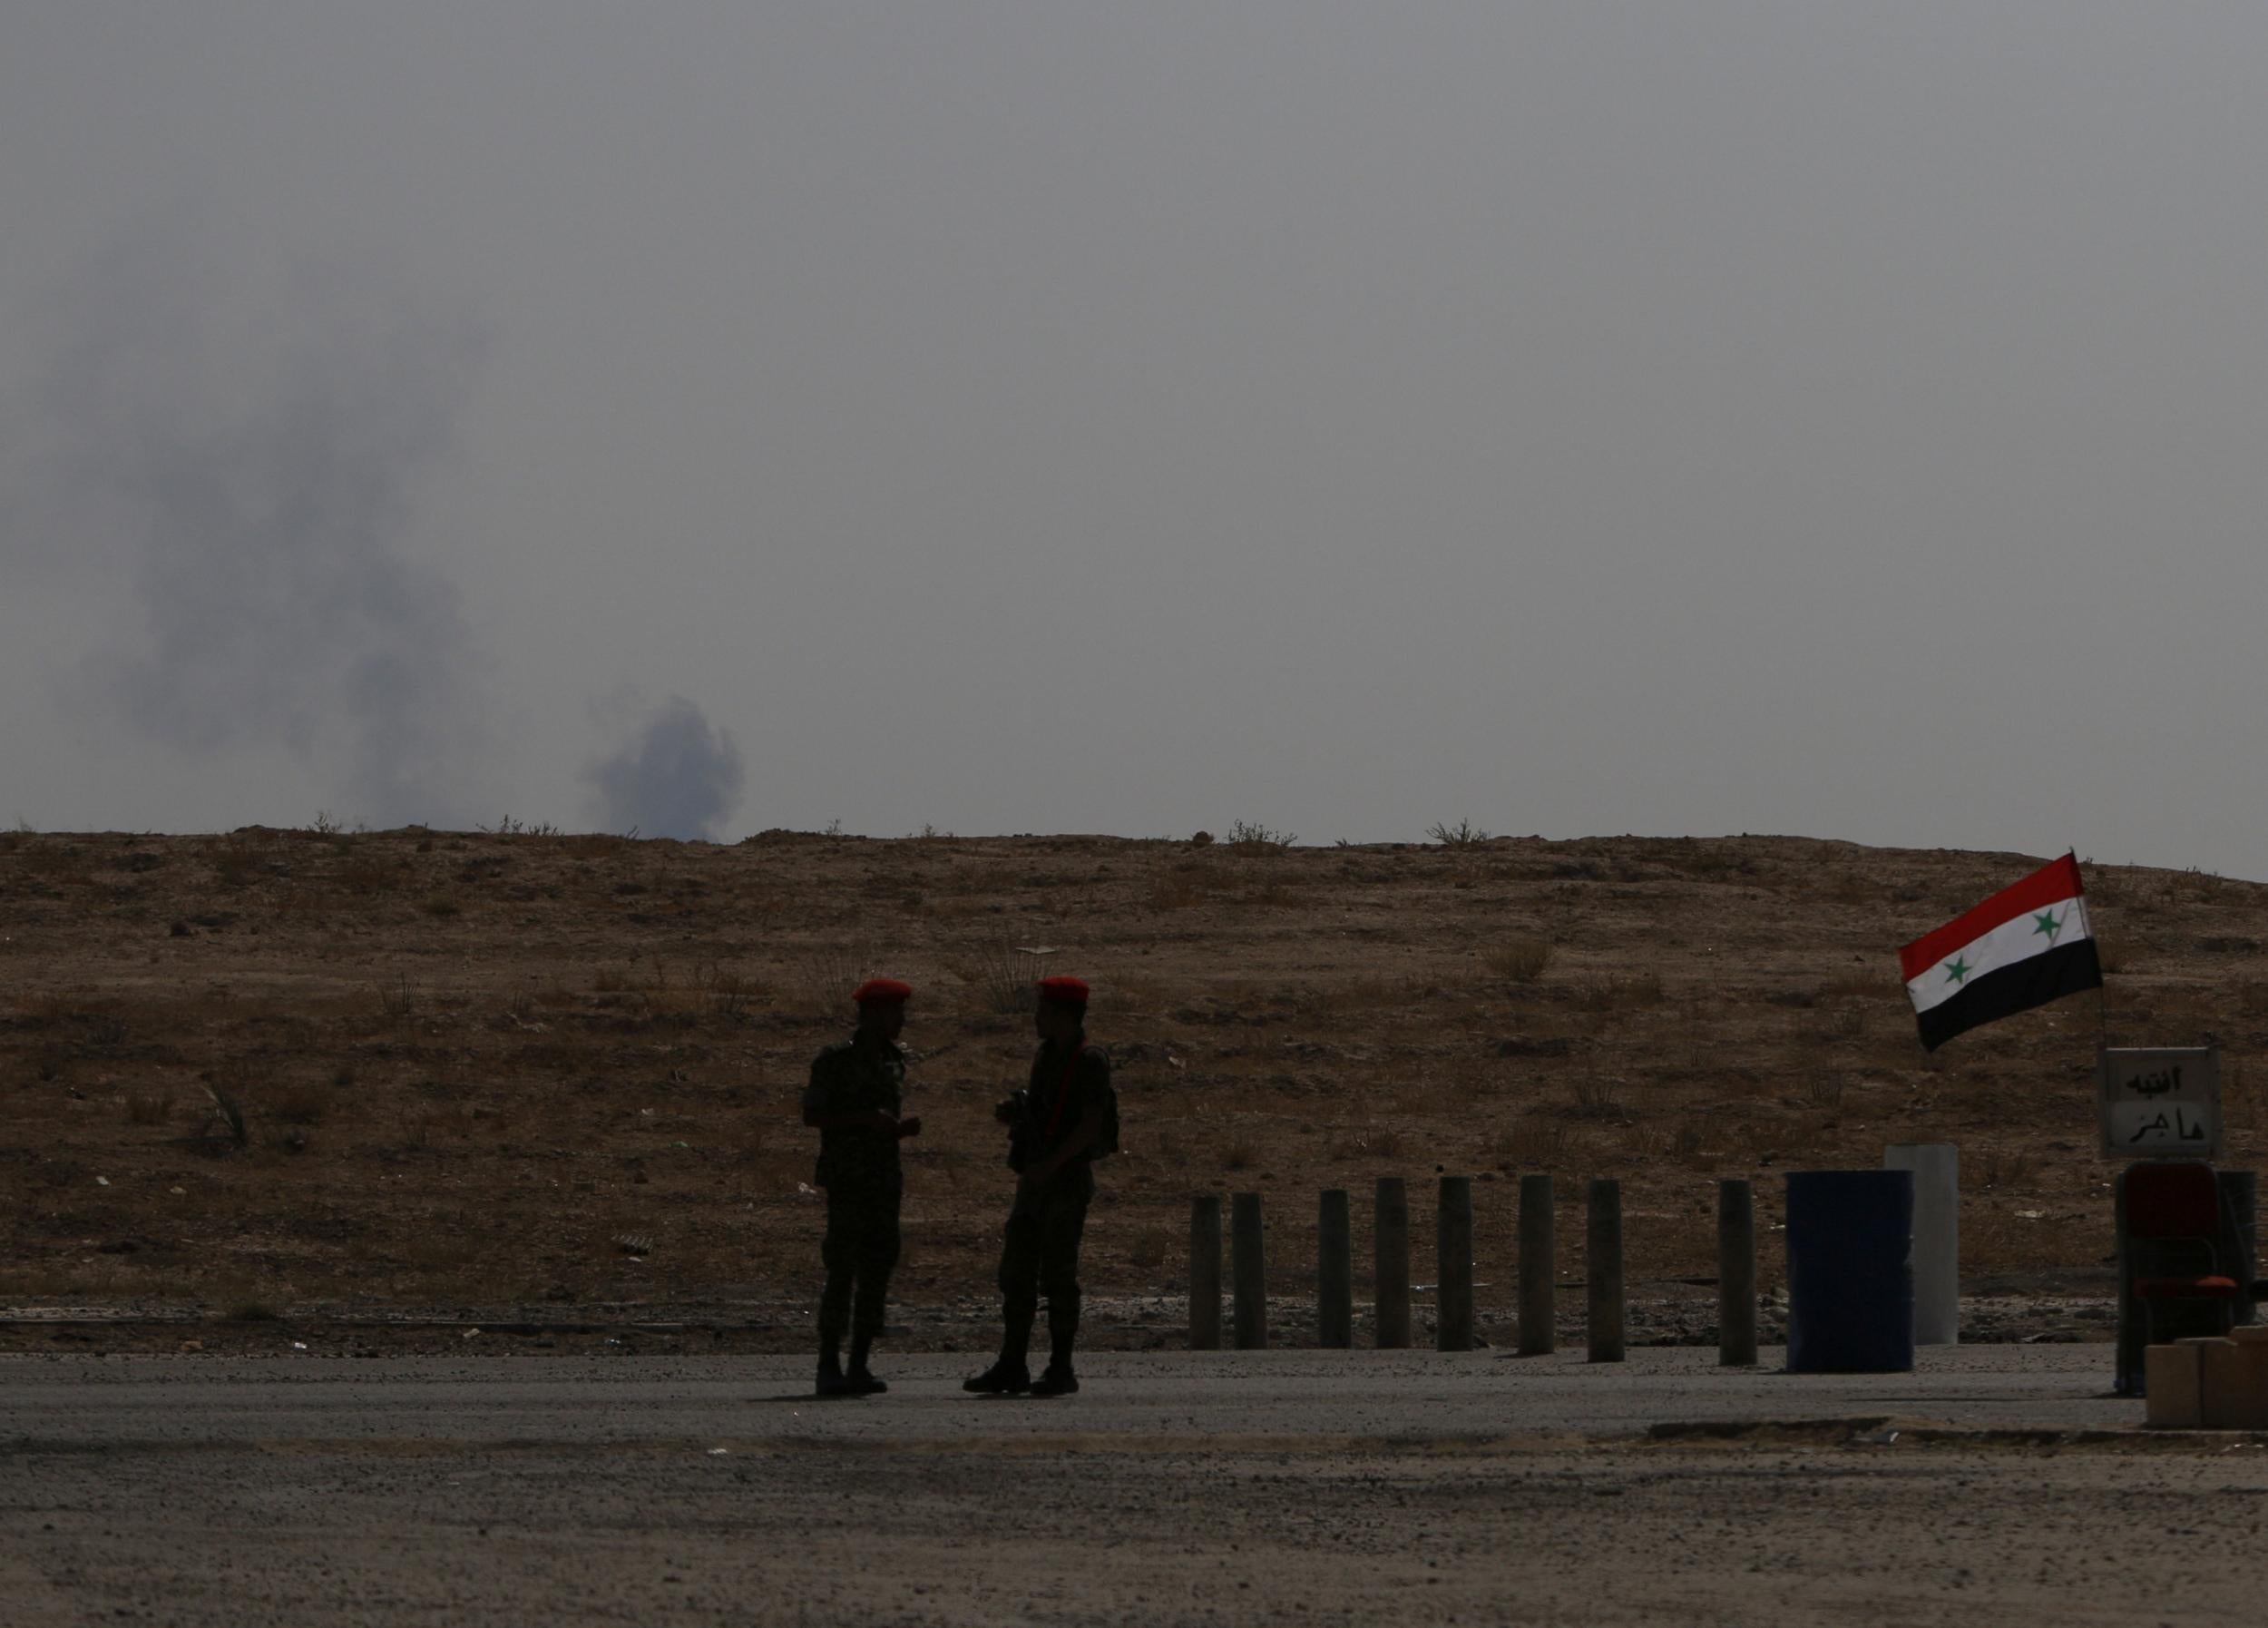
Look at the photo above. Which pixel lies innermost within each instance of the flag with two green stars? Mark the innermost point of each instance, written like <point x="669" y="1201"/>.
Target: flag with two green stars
<point x="2024" y="946"/>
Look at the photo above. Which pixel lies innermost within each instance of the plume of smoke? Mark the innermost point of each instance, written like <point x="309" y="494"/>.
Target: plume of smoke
<point x="255" y="498"/>
<point x="676" y="776"/>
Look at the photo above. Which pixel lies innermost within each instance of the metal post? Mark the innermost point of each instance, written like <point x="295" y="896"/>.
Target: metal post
<point x="1453" y="1297"/>
<point x="1391" y="1240"/>
<point x="2241" y="1218"/>
<point x="1537" y="1309"/>
<point x="1335" y="1272"/>
<point x="1247" y="1263"/>
<point x="1604" y="1247"/>
<point x="1735" y="1274"/>
<point x="1205" y="1273"/>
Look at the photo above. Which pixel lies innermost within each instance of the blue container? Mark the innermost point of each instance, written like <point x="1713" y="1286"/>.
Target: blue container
<point x="1850" y="1272"/>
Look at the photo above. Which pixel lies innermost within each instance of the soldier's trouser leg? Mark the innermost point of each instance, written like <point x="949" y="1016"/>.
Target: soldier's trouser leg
<point x="1062" y="1224"/>
<point x="1018" y="1282"/>
<point x="876" y="1254"/>
<point x="860" y="1248"/>
<point x="836" y="1255"/>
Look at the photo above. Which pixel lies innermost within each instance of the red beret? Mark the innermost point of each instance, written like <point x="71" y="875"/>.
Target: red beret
<point x="1067" y="991"/>
<point x="883" y="992"/>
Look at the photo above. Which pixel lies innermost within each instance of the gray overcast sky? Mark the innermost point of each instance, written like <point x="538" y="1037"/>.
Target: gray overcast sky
<point x="1842" y="420"/>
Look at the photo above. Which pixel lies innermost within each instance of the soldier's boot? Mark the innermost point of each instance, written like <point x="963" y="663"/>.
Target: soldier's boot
<point x="1005" y="1377"/>
<point x="831" y="1382"/>
<point x="1059" y="1380"/>
<point x="1009" y="1375"/>
<point x="860" y="1379"/>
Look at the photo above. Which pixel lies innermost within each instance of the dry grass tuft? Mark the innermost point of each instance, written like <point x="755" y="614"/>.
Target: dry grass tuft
<point x="1596" y="1099"/>
<point x="1533" y="1145"/>
<point x="825" y="978"/>
<point x="1517" y="960"/>
<point x="1382" y="1141"/>
<point x="300" y="1102"/>
<point x="1608" y="994"/>
<point x="149" y="1107"/>
<point x="1004" y="979"/>
<point x="1149" y="1249"/>
<point x="1176" y="891"/>
<point x="1241" y="1154"/>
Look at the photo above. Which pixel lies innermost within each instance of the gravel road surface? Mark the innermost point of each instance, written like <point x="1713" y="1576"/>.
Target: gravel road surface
<point x="1300" y="1487"/>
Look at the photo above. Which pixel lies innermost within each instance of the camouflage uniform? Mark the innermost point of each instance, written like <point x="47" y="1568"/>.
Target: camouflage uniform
<point x="859" y="1168"/>
<point x="1041" y="1253"/>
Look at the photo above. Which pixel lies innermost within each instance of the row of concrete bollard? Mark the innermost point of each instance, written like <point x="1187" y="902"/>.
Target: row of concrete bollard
<point x="1390" y="1233"/>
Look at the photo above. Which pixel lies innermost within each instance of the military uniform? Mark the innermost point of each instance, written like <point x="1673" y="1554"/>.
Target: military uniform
<point x="858" y="1167"/>
<point x="1040" y="1255"/>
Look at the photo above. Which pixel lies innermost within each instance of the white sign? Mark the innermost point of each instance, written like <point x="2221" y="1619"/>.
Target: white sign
<point x="2161" y="1103"/>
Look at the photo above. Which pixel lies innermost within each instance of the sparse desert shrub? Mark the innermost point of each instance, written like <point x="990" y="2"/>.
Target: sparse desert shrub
<point x="1822" y="1091"/>
<point x="1517" y="960"/>
<point x="441" y="907"/>
<point x="394" y="999"/>
<point x="1241" y="1154"/>
<point x="1248" y="838"/>
<point x="1463" y="834"/>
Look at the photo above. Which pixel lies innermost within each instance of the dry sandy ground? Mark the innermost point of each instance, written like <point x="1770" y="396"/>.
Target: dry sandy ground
<point x="489" y="1069"/>
<point x="1303" y="1487"/>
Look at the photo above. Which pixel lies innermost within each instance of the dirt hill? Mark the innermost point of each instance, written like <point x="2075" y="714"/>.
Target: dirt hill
<point x="485" y="1069"/>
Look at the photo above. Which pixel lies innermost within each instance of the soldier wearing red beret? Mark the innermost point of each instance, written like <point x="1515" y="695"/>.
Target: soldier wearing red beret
<point x="1065" y="1119"/>
<point x="856" y="1090"/>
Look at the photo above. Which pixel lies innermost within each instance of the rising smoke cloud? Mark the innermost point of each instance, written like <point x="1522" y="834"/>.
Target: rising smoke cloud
<point x="254" y="495"/>
<point x="677" y="775"/>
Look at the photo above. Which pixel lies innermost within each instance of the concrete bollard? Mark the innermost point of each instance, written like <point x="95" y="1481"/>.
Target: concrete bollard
<point x="1335" y="1272"/>
<point x="1389" y="1240"/>
<point x="1205" y="1273"/>
<point x="1452" y="1296"/>
<point x="1936" y="1167"/>
<point x="1735" y="1274"/>
<point x="1605" y="1273"/>
<point x="1539" y="1308"/>
<point x="1248" y="1264"/>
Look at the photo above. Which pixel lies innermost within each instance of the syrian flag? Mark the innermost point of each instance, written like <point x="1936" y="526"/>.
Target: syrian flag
<point x="2024" y="946"/>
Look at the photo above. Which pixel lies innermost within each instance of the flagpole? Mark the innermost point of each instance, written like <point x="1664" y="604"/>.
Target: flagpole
<point x="2102" y="988"/>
